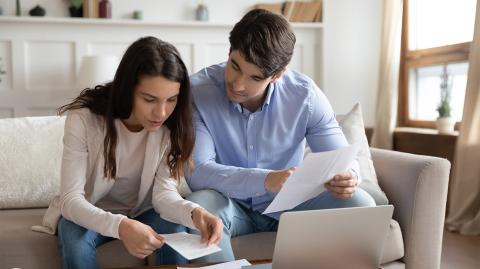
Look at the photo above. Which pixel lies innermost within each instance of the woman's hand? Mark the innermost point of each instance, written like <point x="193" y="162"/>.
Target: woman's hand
<point x="210" y="227"/>
<point x="139" y="239"/>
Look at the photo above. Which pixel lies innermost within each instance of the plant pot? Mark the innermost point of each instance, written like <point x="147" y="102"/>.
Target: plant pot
<point x="445" y="125"/>
<point x="76" y="12"/>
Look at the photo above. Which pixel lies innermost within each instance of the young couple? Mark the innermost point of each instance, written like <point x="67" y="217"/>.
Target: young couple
<point x="130" y="144"/>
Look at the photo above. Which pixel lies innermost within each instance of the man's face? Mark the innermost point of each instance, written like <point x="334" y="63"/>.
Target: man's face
<point x="245" y="82"/>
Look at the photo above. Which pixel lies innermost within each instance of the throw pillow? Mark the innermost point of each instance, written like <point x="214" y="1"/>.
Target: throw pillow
<point x="30" y="157"/>
<point x="354" y="130"/>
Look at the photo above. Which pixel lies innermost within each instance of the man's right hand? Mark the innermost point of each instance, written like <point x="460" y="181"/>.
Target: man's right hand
<point x="139" y="239"/>
<point x="274" y="180"/>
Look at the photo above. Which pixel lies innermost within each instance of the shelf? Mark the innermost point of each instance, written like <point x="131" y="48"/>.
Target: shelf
<point x="425" y="142"/>
<point x="423" y="131"/>
<point x="132" y="22"/>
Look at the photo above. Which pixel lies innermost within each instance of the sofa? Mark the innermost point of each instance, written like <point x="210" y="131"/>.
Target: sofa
<point x="29" y="167"/>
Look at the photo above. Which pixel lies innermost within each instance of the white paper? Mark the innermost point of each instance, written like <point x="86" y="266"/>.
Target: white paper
<point x="189" y="245"/>
<point x="226" y="265"/>
<point x="308" y="179"/>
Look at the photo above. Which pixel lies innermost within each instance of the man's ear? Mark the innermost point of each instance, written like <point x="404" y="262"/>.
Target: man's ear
<point x="279" y="74"/>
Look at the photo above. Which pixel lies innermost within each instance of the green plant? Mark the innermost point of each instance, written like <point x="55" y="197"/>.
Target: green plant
<point x="444" y="109"/>
<point x="76" y="3"/>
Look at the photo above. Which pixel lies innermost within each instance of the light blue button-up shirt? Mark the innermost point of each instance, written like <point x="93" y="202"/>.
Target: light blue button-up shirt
<point x="235" y="149"/>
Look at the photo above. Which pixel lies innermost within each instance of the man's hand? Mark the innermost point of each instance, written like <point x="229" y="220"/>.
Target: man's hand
<point x="139" y="239"/>
<point x="210" y="227"/>
<point x="342" y="185"/>
<point x="274" y="180"/>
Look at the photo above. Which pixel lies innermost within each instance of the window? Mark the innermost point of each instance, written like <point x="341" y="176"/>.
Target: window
<point x="436" y="40"/>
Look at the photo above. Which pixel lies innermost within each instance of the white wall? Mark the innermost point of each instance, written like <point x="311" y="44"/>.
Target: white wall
<point x="155" y="10"/>
<point x="352" y="36"/>
<point x="350" y="39"/>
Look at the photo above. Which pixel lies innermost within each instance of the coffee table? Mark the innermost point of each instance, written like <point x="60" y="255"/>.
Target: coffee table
<point x="192" y="265"/>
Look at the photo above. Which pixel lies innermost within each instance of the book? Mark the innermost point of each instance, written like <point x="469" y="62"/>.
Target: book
<point x="275" y="8"/>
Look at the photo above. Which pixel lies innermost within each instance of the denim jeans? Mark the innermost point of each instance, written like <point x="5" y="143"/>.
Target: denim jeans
<point x="239" y="220"/>
<point x="78" y="245"/>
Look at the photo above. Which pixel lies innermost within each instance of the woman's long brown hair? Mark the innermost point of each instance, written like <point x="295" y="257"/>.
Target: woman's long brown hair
<point x="147" y="56"/>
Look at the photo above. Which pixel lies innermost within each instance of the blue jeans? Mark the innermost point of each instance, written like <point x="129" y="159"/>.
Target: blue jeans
<point x="239" y="220"/>
<point x="78" y="245"/>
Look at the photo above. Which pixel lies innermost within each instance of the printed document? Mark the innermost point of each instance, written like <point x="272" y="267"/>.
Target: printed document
<point x="189" y="245"/>
<point x="308" y="179"/>
<point x="238" y="264"/>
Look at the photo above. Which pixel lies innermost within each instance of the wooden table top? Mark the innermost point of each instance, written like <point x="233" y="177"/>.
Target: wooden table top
<point x="191" y="265"/>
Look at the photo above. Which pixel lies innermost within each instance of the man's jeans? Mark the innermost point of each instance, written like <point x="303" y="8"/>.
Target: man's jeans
<point x="239" y="220"/>
<point x="78" y="245"/>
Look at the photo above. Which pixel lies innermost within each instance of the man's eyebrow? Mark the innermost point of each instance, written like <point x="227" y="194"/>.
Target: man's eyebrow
<point x="257" y="77"/>
<point x="235" y="63"/>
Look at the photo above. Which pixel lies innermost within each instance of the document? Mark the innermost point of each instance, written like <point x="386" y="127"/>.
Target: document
<point x="308" y="179"/>
<point x="189" y="245"/>
<point x="238" y="264"/>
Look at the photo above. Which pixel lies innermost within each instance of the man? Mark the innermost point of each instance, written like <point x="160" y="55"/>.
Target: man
<point x="252" y="118"/>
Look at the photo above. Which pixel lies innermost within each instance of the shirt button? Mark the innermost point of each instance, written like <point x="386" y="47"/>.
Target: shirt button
<point x="250" y="147"/>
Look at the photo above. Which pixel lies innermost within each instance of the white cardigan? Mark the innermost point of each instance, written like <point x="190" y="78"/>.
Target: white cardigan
<point x="83" y="183"/>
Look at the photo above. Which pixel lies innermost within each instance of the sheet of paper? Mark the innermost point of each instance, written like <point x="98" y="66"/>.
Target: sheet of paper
<point x="226" y="265"/>
<point x="189" y="245"/>
<point x="308" y="179"/>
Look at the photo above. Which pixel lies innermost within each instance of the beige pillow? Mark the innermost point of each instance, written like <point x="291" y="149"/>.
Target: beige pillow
<point x="354" y="131"/>
<point x="30" y="158"/>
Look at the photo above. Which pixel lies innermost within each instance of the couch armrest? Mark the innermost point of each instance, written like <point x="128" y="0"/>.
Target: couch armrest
<point x="417" y="186"/>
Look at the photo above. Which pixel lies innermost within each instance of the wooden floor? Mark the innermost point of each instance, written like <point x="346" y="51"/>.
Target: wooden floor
<point x="460" y="251"/>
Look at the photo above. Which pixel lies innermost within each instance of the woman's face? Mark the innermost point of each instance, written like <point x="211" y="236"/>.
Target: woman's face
<point x="154" y="99"/>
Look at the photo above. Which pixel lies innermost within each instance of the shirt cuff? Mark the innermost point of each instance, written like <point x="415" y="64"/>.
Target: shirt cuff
<point x="187" y="218"/>
<point x="257" y="182"/>
<point x="118" y="220"/>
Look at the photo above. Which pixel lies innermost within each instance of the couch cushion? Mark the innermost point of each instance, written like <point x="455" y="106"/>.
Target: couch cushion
<point x="20" y="247"/>
<point x="261" y="245"/>
<point x="30" y="156"/>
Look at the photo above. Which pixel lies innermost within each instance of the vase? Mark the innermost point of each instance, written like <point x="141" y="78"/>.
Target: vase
<point x="201" y="14"/>
<point x="105" y="9"/>
<point x="445" y="125"/>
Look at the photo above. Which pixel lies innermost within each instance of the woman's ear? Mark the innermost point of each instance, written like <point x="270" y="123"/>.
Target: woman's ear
<point x="279" y="74"/>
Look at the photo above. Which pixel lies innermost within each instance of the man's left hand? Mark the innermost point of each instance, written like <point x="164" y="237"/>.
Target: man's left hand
<point x="342" y="185"/>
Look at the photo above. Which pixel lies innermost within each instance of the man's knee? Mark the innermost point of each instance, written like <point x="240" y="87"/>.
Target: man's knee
<point x="211" y="200"/>
<point x="360" y="198"/>
<point x="216" y="203"/>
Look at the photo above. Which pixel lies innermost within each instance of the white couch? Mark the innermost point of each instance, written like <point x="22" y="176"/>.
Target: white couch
<point x="30" y="153"/>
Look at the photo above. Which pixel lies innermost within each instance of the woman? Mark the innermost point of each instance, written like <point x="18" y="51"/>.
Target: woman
<point x="126" y="144"/>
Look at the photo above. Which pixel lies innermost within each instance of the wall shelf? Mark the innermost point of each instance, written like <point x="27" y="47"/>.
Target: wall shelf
<point x="131" y="22"/>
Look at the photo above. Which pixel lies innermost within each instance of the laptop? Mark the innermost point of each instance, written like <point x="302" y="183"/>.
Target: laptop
<point x="331" y="238"/>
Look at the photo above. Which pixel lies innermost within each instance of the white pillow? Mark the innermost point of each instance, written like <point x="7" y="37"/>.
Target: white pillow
<point x="30" y="159"/>
<point x="354" y="131"/>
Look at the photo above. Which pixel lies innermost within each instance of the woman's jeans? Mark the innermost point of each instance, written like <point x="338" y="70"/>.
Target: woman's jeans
<point x="78" y="245"/>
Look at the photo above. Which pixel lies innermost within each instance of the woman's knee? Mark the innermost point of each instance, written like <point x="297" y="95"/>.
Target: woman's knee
<point x="74" y="240"/>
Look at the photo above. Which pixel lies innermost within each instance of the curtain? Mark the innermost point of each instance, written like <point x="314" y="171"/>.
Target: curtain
<point x="387" y="92"/>
<point x="464" y="204"/>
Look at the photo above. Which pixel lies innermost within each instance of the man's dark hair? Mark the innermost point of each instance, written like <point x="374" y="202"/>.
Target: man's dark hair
<point x="264" y="39"/>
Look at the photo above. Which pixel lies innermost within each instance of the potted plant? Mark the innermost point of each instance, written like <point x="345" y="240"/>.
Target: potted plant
<point x="445" y="123"/>
<point x="76" y="8"/>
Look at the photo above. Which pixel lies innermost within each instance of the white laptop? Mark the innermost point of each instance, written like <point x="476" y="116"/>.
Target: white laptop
<point x="331" y="238"/>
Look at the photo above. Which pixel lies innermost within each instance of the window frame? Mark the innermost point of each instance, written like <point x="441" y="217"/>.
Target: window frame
<point x="447" y="54"/>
